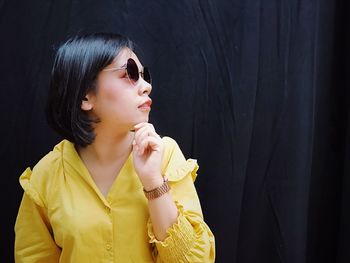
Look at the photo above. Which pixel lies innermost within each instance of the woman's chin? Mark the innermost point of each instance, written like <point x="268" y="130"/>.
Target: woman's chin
<point x="137" y="122"/>
<point x="143" y="119"/>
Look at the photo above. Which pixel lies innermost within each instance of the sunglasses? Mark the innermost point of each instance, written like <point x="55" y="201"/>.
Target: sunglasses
<point x="133" y="71"/>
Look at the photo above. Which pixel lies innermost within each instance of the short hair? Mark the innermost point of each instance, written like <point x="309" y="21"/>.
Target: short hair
<point x="76" y="67"/>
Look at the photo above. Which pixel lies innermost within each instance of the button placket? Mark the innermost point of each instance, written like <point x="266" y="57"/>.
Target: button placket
<point x="109" y="241"/>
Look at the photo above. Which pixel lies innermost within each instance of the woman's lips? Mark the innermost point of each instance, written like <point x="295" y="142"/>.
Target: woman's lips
<point x="146" y="106"/>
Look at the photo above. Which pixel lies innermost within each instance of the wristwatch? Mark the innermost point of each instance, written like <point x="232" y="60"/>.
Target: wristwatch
<point x="157" y="192"/>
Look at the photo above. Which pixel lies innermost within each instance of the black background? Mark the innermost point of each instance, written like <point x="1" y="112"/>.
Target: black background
<point x="256" y="90"/>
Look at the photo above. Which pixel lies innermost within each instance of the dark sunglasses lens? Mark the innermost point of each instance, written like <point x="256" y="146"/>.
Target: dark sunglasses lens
<point x="147" y="75"/>
<point x="132" y="69"/>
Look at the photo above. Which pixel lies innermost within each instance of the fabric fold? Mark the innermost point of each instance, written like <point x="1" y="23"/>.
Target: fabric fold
<point x="28" y="188"/>
<point x="178" y="173"/>
<point x="184" y="241"/>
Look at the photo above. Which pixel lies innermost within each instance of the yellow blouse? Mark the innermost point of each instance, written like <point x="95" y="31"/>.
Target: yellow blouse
<point x="64" y="217"/>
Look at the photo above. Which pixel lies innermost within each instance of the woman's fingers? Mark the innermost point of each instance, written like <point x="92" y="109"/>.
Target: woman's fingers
<point x="148" y="143"/>
<point x="141" y="134"/>
<point x="145" y="137"/>
<point x="143" y="124"/>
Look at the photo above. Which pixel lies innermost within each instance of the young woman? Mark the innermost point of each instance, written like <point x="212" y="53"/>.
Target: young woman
<point x="113" y="190"/>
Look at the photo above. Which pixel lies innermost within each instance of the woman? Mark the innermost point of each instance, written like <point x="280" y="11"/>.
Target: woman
<point x="113" y="190"/>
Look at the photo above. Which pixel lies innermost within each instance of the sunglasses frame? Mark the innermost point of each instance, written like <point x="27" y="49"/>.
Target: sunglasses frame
<point x="133" y="72"/>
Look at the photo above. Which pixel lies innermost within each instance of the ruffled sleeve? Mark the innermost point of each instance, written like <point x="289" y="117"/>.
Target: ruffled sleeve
<point x="29" y="189"/>
<point x="189" y="239"/>
<point x="34" y="240"/>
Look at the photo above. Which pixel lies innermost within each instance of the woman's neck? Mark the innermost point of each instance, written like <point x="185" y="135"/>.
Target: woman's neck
<point x="107" y="149"/>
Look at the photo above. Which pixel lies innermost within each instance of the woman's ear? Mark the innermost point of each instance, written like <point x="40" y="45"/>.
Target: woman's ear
<point x="86" y="103"/>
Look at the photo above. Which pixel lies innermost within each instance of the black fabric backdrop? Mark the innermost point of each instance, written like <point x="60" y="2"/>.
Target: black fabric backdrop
<point x="256" y="90"/>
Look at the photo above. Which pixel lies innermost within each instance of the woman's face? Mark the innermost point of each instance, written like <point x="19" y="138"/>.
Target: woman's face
<point x="117" y="101"/>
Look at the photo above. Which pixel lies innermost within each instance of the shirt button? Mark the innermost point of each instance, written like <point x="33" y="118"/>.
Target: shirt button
<point x="108" y="210"/>
<point x="108" y="246"/>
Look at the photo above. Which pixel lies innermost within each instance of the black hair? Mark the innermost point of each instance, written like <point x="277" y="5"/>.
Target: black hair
<point x="76" y="67"/>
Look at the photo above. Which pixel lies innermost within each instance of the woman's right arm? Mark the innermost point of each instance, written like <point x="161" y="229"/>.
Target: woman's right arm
<point x="34" y="239"/>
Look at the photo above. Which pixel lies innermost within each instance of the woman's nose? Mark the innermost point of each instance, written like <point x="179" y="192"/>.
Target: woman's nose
<point x="145" y="87"/>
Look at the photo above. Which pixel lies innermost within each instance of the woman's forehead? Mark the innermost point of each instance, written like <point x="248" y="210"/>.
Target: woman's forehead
<point x="123" y="57"/>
